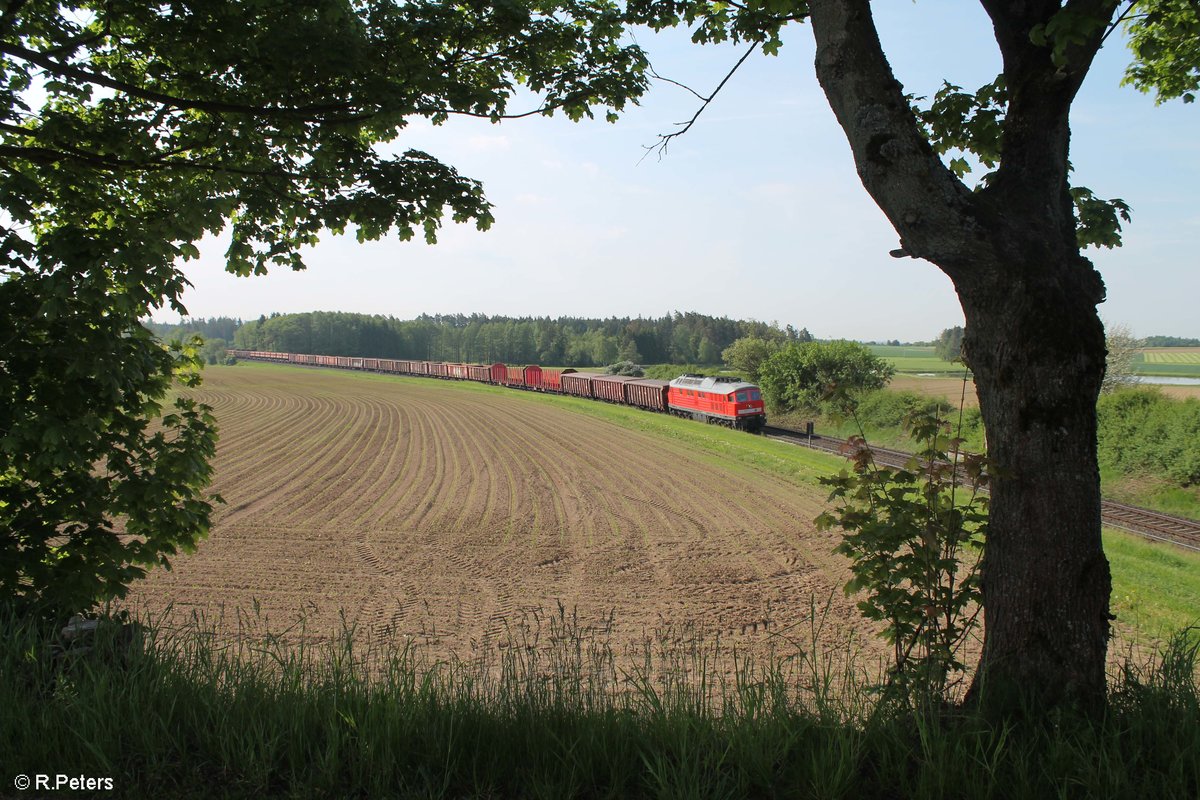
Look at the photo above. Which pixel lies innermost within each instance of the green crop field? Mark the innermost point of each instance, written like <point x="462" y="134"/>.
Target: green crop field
<point x="914" y="359"/>
<point x="1174" y="355"/>
<point x="1181" y="362"/>
<point x="890" y="352"/>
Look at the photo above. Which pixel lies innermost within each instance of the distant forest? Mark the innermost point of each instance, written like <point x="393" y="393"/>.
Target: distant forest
<point x="679" y="338"/>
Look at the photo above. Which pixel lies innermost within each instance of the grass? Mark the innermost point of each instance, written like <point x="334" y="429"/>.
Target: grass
<point x="1155" y="585"/>
<point x="1168" y="370"/>
<point x="182" y="713"/>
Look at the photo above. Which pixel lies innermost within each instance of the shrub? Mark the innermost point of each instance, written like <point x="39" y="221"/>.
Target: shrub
<point x="914" y="544"/>
<point x="625" y="368"/>
<point x="1142" y="430"/>
<point x="821" y="375"/>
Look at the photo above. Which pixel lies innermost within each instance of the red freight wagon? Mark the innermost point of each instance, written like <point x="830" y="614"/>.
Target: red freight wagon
<point x="578" y="383"/>
<point x="544" y="380"/>
<point x="647" y="393"/>
<point x="728" y="401"/>
<point x="478" y="372"/>
<point x="388" y="365"/>
<point x="610" y="387"/>
<point x="458" y="371"/>
<point x="498" y="373"/>
<point x="552" y="379"/>
<point x="439" y="370"/>
<point x="371" y="364"/>
<point x="516" y="377"/>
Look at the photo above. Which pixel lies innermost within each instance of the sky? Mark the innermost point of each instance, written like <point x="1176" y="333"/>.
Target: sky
<point x="756" y="213"/>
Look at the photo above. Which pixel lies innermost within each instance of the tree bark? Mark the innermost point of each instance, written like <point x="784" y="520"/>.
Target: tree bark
<point x="1033" y="337"/>
<point x="1037" y="350"/>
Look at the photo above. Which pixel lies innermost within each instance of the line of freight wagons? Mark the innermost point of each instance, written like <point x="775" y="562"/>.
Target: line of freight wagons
<point x="715" y="399"/>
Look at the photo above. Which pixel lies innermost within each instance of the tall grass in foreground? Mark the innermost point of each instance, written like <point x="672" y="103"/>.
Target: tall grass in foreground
<point x="184" y="713"/>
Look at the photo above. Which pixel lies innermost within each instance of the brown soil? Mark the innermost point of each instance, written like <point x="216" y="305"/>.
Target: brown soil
<point x="421" y="511"/>
<point x="950" y="389"/>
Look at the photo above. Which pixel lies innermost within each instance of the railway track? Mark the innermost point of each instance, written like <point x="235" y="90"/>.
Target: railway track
<point x="1178" y="531"/>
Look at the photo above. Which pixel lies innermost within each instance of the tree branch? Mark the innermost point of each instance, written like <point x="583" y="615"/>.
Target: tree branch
<point x="313" y="112"/>
<point x="665" y="139"/>
<point x="1116" y="23"/>
<point x="931" y="209"/>
<point x="49" y="155"/>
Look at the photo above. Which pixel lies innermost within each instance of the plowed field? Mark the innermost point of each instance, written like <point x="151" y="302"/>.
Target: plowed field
<point x="411" y="507"/>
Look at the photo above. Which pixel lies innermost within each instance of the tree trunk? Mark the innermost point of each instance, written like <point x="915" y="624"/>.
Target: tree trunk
<point x="1037" y="351"/>
<point x="1033" y="336"/>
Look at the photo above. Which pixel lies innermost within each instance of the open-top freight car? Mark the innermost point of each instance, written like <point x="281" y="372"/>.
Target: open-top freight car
<point x="578" y="384"/>
<point x="544" y="380"/>
<point x="505" y="375"/>
<point x="647" y="393"/>
<point x="610" y="388"/>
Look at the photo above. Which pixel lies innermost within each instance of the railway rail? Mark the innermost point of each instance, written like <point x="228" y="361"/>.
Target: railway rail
<point x="1155" y="525"/>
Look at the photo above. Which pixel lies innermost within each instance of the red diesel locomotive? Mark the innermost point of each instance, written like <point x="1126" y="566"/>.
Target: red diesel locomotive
<point x="714" y="399"/>
<point x="730" y="400"/>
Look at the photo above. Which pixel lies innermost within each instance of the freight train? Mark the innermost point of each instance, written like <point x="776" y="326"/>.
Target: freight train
<point x="714" y="399"/>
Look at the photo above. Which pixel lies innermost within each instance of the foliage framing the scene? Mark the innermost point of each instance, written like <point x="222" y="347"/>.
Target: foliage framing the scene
<point x="129" y="131"/>
<point x="914" y="544"/>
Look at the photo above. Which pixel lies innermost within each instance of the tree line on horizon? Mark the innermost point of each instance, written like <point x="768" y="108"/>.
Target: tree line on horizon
<point x="678" y="337"/>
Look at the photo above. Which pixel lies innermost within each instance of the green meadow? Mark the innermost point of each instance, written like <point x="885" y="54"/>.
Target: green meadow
<point x="915" y="360"/>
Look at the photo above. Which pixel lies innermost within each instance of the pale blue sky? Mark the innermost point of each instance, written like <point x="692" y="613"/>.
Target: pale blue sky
<point x="756" y="213"/>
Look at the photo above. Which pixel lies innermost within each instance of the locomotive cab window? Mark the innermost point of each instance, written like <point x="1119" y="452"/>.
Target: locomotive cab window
<point x="755" y="395"/>
<point x="741" y="396"/>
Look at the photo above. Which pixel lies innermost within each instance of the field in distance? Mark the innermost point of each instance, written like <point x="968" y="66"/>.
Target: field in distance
<point x="1169" y="361"/>
<point x="440" y="512"/>
<point x="1160" y="361"/>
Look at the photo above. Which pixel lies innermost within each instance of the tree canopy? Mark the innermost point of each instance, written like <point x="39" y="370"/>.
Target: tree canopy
<point x="811" y="376"/>
<point x="748" y="354"/>
<point x="130" y="130"/>
<point x="948" y="346"/>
